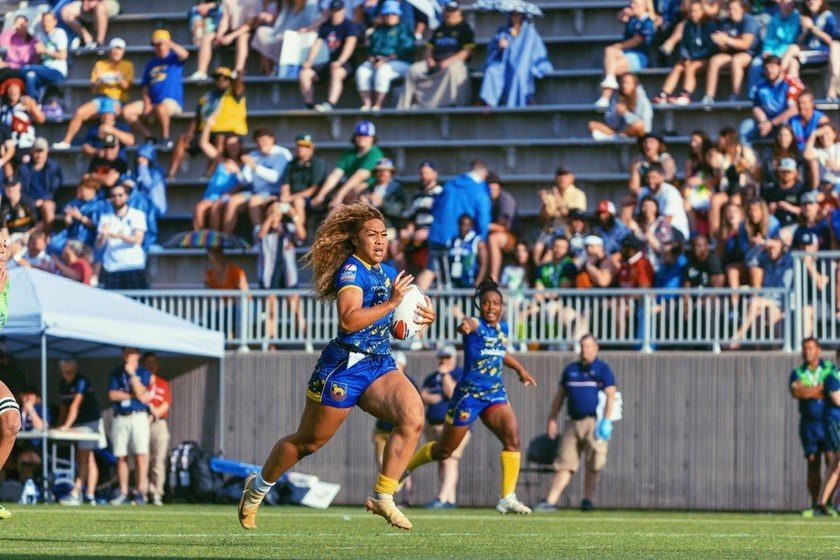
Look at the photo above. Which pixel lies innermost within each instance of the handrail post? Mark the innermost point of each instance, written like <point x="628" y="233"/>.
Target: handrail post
<point x="786" y="326"/>
<point x="647" y="348"/>
<point x="243" y="322"/>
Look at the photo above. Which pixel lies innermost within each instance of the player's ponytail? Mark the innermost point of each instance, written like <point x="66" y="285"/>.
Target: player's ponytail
<point x="486" y="285"/>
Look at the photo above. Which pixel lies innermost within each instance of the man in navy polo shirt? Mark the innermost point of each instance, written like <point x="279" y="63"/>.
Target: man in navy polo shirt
<point x="774" y="102"/>
<point x="581" y="382"/>
<point x="127" y="389"/>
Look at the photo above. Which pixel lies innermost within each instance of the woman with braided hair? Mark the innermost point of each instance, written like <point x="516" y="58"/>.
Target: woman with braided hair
<point x="9" y="409"/>
<point x="481" y="393"/>
<point x="356" y="367"/>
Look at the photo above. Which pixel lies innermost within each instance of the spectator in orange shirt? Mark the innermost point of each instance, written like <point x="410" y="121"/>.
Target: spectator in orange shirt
<point x="225" y="276"/>
<point x="160" y="400"/>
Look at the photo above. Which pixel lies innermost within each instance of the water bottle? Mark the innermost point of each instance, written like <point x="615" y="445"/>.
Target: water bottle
<point x="29" y="495"/>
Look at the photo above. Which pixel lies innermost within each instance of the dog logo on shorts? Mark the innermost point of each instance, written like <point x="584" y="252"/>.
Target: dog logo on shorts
<point x="463" y="416"/>
<point x="338" y="391"/>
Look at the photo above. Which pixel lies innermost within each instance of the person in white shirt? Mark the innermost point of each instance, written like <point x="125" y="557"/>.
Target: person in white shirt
<point x="120" y="232"/>
<point x="51" y="48"/>
<point x="35" y="254"/>
<point x="671" y="204"/>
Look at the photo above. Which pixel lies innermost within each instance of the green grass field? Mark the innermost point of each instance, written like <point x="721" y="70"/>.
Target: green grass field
<point x="211" y="532"/>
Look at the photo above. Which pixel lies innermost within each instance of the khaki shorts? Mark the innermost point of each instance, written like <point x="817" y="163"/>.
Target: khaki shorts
<point x="130" y="434"/>
<point x="113" y="9"/>
<point x="579" y="435"/>
<point x="432" y="432"/>
<point x="380" y="437"/>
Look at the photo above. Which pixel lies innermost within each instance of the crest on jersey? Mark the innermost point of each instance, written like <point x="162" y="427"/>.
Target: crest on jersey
<point x="338" y="391"/>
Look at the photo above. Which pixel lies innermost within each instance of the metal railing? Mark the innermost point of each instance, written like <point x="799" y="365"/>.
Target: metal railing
<point x="554" y="319"/>
<point x="815" y="297"/>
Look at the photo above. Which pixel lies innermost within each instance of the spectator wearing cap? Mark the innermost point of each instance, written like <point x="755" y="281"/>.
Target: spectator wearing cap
<point x="18" y="214"/>
<point x="596" y="269"/>
<point x="669" y="199"/>
<point x="20" y="113"/>
<point x="163" y="87"/>
<point x="78" y="15"/>
<point x="354" y="168"/>
<point x="631" y="53"/>
<point x="812" y="230"/>
<point x="51" y="47"/>
<point x="419" y="218"/>
<point x="262" y="171"/>
<point x="783" y="198"/>
<point x="442" y="79"/>
<point x="502" y="232"/>
<point x="465" y="194"/>
<point x="436" y="391"/>
<point x="339" y="36"/>
<point x="108" y="126"/>
<point x="41" y="178"/>
<point x="389" y="196"/>
<point x="107" y="165"/>
<point x="226" y="100"/>
<point x="81" y="215"/>
<point x="516" y="58"/>
<point x="149" y="179"/>
<point x="557" y="201"/>
<point x="303" y="176"/>
<point x="774" y="270"/>
<point x="774" y="102"/>
<point x="609" y="228"/>
<point x="629" y="113"/>
<point x="738" y="40"/>
<point x="237" y="19"/>
<point x="466" y="256"/>
<point x="110" y="81"/>
<point x="390" y="51"/>
<point x="120" y="234"/>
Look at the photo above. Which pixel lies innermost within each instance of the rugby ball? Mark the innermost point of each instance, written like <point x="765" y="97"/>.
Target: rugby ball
<point x="403" y="325"/>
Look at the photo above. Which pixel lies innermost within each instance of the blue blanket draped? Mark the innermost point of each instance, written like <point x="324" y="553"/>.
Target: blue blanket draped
<point x="510" y="73"/>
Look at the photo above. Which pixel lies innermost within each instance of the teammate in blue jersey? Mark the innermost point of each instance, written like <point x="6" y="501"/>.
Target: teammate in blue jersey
<point x="356" y="367"/>
<point x="9" y="409"/>
<point x="481" y="393"/>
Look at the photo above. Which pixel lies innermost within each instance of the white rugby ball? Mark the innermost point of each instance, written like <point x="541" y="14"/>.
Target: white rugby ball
<point x="403" y="322"/>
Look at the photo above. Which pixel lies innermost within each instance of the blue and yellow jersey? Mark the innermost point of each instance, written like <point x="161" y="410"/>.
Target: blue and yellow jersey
<point x="374" y="281"/>
<point x="484" y="351"/>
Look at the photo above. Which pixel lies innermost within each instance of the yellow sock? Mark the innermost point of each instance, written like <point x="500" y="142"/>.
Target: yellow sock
<point x="510" y="471"/>
<point x="423" y="456"/>
<point x="385" y="485"/>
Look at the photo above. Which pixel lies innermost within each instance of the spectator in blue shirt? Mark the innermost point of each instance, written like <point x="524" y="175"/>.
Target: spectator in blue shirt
<point x="782" y="31"/>
<point x="672" y="263"/>
<point x="82" y="213"/>
<point x="804" y="124"/>
<point x="629" y="113"/>
<point x="631" y="53"/>
<point x="737" y="42"/>
<point x="609" y="228"/>
<point x="163" y="88"/>
<point x="465" y="194"/>
<point x="773" y="100"/>
<point x="41" y="178"/>
<point x="696" y="48"/>
<point x="819" y="27"/>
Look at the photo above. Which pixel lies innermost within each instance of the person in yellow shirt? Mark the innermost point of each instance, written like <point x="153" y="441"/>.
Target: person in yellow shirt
<point x="110" y="79"/>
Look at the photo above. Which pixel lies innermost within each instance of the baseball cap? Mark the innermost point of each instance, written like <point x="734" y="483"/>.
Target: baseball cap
<point x="364" y="128"/>
<point x="117" y="43"/>
<point x="606" y="206"/>
<point x="451" y="6"/>
<point x="493" y="177"/>
<point x="576" y="214"/>
<point x="631" y="241"/>
<point x="809" y="197"/>
<point x="304" y="139"/>
<point x="788" y="164"/>
<point x="11" y="181"/>
<point x="562" y="170"/>
<point x="336" y="5"/>
<point x="160" y="35"/>
<point x="592" y="240"/>
<point x="391" y="7"/>
<point x="428" y="163"/>
<point x="40" y="145"/>
<point x="399" y="357"/>
<point x="384" y="164"/>
<point x="446" y="351"/>
<point x="222" y="71"/>
<point x="109" y="141"/>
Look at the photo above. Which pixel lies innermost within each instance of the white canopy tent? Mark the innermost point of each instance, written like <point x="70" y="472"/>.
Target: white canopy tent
<point x="51" y="313"/>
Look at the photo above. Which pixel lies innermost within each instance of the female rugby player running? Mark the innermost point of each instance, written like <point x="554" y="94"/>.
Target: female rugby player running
<point x="356" y="367"/>
<point x="481" y="392"/>
<point x="9" y="409"/>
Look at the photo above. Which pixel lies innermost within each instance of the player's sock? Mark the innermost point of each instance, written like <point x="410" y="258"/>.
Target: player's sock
<point x="385" y="487"/>
<point x="510" y="471"/>
<point x="423" y="456"/>
<point x="259" y="489"/>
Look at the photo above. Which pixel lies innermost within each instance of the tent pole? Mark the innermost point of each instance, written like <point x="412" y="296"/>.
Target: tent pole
<point x="222" y="405"/>
<point x="45" y="459"/>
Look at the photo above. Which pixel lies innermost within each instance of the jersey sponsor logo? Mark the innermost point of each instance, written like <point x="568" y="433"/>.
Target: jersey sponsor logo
<point x="493" y="352"/>
<point x="338" y="391"/>
<point x="348" y="274"/>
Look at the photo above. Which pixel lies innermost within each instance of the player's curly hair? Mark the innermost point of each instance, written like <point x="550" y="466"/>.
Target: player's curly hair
<point x="487" y="285"/>
<point x="334" y="243"/>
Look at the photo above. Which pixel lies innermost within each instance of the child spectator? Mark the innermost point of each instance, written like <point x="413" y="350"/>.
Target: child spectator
<point x="339" y="36"/>
<point x="51" y="47"/>
<point x="77" y="14"/>
<point x="738" y="41"/>
<point x="696" y="48"/>
<point x="631" y="54"/>
<point x="110" y="80"/>
<point x="227" y="176"/>
<point x="819" y="27"/>
<point x="237" y="19"/>
<point x="629" y="113"/>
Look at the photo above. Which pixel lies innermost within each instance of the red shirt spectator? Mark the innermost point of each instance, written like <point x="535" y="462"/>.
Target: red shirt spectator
<point x="636" y="270"/>
<point x="159" y="393"/>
